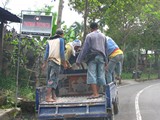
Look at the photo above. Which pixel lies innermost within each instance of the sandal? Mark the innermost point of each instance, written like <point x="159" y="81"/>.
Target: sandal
<point x="94" y="97"/>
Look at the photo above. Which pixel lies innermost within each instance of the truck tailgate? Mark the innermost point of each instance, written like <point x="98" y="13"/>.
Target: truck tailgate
<point x="73" y="107"/>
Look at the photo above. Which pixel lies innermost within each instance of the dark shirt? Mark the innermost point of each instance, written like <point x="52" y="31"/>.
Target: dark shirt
<point x="95" y="42"/>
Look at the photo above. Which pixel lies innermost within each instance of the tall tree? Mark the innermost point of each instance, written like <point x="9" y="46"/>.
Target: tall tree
<point x="85" y="19"/>
<point x="60" y="9"/>
<point x="5" y="3"/>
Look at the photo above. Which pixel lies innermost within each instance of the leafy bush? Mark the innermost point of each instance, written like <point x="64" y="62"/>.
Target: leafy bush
<point x="8" y="88"/>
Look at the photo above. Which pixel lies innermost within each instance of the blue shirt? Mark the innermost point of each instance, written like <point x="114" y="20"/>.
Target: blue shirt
<point x="111" y="45"/>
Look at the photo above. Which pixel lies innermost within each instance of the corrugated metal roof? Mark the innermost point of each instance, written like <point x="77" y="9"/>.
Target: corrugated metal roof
<point x="5" y="15"/>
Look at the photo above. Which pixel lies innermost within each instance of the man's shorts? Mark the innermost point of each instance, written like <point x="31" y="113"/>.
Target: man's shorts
<point x="96" y="71"/>
<point x="53" y="74"/>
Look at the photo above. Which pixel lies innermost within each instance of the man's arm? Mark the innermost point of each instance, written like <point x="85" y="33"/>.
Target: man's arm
<point x="106" y="50"/>
<point x="62" y="49"/>
<point x="84" y="51"/>
<point x="46" y="53"/>
<point x="45" y="56"/>
<point x="68" y="53"/>
<point x="62" y="55"/>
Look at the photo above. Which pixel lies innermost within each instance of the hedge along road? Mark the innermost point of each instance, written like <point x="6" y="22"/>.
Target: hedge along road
<point x="139" y="101"/>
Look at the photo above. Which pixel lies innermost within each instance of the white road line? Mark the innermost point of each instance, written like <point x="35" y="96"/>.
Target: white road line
<point x="138" y="113"/>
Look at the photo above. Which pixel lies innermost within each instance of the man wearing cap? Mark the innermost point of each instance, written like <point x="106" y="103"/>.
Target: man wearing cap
<point x="55" y="57"/>
<point x="95" y="45"/>
<point x="71" y="51"/>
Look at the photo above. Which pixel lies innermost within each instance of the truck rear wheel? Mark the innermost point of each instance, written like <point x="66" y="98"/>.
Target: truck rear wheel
<point x="116" y="106"/>
<point x="110" y="113"/>
<point x="110" y="118"/>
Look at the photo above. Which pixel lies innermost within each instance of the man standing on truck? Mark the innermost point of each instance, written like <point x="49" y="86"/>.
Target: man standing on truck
<point x="115" y="60"/>
<point x="54" y="56"/>
<point x="95" y="49"/>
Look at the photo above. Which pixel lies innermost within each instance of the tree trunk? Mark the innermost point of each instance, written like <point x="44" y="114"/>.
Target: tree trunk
<point x="85" y="19"/>
<point x="158" y="70"/>
<point x="60" y="8"/>
<point x="1" y="46"/>
<point x="136" y="65"/>
<point x="156" y="59"/>
<point x="157" y="64"/>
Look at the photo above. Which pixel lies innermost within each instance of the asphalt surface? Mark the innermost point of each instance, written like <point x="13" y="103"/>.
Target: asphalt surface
<point x="139" y="101"/>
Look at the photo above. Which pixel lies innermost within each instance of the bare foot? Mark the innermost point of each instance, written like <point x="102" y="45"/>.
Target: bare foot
<point x="54" y="97"/>
<point x="50" y="100"/>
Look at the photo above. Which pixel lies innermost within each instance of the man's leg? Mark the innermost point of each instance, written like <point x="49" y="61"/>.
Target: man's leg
<point x="95" y="90"/>
<point x="48" y="96"/>
<point x="101" y="80"/>
<point x="100" y="70"/>
<point x="111" y="68"/>
<point x="52" y="82"/>
<point x="118" y="69"/>
<point x="92" y="78"/>
<point x="118" y="72"/>
<point x="54" y="97"/>
<point x="49" y="88"/>
<point x="55" y="71"/>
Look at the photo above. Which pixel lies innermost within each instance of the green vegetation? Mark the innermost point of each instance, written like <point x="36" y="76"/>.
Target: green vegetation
<point x="126" y="76"/>
<point x="8" y="87"/>
<point x="143" y="76"/>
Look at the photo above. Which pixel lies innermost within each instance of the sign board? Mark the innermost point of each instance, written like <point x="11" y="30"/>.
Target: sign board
<point x="36" y="25"/>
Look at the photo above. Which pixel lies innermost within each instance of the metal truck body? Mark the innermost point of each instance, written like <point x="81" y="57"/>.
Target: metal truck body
<point x="73" y="100"/>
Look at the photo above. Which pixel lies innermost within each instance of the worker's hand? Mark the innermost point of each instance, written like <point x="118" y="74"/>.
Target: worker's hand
<point x="78" y="64"/>
<point x="65" y="65"/>
<point x="70" y="68"/>
<point x="43" y="65"/>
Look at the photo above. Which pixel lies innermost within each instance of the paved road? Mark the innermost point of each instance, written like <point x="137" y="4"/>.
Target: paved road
<point x="139" y="101"/>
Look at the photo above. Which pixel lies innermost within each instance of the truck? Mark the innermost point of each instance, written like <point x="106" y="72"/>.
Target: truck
<point x="72" y="101"/>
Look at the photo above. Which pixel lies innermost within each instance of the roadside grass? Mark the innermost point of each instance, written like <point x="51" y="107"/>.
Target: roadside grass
<point x="143" y="76"/>
<point x="127" y="76"/>
<point x="146" y="76"/>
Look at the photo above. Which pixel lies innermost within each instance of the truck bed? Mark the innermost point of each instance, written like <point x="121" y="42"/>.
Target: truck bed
<point x="73" y="107"/>
<point x="72" y="100"/>
<point x="75" y="100"/>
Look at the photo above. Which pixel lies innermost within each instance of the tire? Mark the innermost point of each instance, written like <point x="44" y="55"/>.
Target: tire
<point x="116" y="106"/>
<point x="110" y="118"/>
<point x="111" y="113"/>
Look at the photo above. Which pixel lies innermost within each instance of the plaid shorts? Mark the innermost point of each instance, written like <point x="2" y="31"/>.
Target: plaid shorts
<point x="53" y="74"/>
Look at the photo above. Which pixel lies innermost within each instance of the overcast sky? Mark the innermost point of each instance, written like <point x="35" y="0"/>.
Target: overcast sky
<point x="16" y="6"/>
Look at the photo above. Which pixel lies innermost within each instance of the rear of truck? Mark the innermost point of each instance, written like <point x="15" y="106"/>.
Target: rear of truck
<point x="73" y="102"/>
